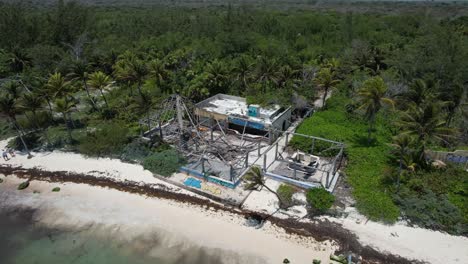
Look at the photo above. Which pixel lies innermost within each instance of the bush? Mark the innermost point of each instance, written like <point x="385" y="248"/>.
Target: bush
<point x="1" y="180"/>
<point x="32" y="141"/>
<point x="23" y="185"/>
<point x="286" y="192"/>
<point x="56" y="189"/>
<point x="136" y="150"/>
<point x="432" y="211"/>
<point x="105" y="140"/>
<point x="319" y="199"/>
<point x="164" y="163"/>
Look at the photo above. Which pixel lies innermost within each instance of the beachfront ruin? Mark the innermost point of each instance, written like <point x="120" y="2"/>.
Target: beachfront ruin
<point x="223" y="136"/>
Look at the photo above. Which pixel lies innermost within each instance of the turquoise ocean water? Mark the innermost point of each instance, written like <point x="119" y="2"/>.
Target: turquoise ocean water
<point x="24" y="242"/>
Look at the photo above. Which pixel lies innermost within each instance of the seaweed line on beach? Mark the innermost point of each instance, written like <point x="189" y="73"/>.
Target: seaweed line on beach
<point x="319" y="230"/>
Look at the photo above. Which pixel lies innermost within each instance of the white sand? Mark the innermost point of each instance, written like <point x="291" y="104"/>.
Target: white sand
<point x="410" y="242"/>
<point x="413" y="243"/>
<point x="79" y="205"/>
<point x="102" y="167"/>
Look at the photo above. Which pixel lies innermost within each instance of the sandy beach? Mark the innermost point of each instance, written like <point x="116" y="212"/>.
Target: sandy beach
<point x="131" y="215"/>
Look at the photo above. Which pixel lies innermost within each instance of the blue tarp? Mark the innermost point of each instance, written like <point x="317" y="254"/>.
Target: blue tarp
<point x="192" y="182"/>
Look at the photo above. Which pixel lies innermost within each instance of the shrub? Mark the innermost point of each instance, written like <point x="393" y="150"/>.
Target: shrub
<point x="56" y="189"/>
<point x="164" y="163"/>
<point x="1" y="180"/>
<point x="32" y="140"/>
<point x="432" y="211"/>
<point x="286" y="192"/>
<point x="136" y="150"/>
<point x="106" y="140"/>
<point x="319" y="199"/>
<point x="23" y="185"/>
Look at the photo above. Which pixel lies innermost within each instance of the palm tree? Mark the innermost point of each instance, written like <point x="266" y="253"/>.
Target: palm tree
<point x="325" y="79"/>
<point x="18" y="60"/>
<point x="426" y="123"/>
<point x="402" y="146"/>
<point x="57" y="86"/>
<point x="287" y="76"/>
<point x="217" y="77"/>
<point x="144" y="104"/>
<point x="242" y="70"/>
<point x="131" y="70"/>
<point x="9" y="109"/>
<point x="79" y="72"/>
<point x="254" y="179"/>
<point x="65" y="107"/>
<point x="158" y="71"/>
<point x="266" y="72"/>
<point x="99" y="80"/>
<point x="31" y="102"/>
<point x="13" y="88"/>
<point x="372" y="98"/>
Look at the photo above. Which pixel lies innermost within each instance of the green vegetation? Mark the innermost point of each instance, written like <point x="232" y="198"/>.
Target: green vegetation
<point x="81" y="78"/>
<point x="254" y="179"/>
<point x="286" y="192"/>
<point x="104" y="140"/>
<point x="23" y="185"/>
<point x="164" y="163"/>
<point x="1" y="180"/>
<point x="319" y="199"/>
<point x="56" y="189"/>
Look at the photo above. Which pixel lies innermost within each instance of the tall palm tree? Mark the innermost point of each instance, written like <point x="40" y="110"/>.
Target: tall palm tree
<point x="371" y="97"/>
<point x="131" y="70"/>
<point x="426" y="123"/>
<point x="9" y="109"/>
<point x="13" y="88"/>
<point x="266" y="72"/>
<point x="144" y="104"/>
<point x="65" y="107"/>
<point x="217" y="77"/>
<point x="57" y="86"/>
<point x="31" y="102"/>
<point x="402" y="146"/>
<point x="158" y="71"/>
<point x="101" y="81"/>
<point x="287" y="76"/>
<point x="79" y="72"/>
<point x="325" y="79"/>
<point x="254" y="179"/>
<point x="18" y="60"/>
<point x="242" y="70"/>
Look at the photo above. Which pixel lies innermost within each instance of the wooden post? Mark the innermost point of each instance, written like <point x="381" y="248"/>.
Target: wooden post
<point x="313" y="144"/>
<point x="276" y="151"/>
<point x="326" y="183"/>
<point x="264" y="162"/>
<point x="247" y="160"/>
<point x="160" y="130"/>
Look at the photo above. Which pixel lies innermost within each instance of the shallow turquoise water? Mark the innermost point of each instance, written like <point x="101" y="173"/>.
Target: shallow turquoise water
<point x="23" y="242"/>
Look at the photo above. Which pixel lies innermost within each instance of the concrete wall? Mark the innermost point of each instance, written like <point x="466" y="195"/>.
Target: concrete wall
<point x="284" y="116"/>
<point x="212" y="179"/>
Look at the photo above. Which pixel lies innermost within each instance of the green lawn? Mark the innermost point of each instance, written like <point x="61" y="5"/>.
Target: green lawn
<point x="366" y="164"/>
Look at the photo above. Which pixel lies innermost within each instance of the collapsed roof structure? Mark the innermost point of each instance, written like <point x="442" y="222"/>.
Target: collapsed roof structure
<point x="222" y="137"/>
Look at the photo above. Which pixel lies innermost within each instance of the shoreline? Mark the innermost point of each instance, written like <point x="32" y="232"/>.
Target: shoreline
<point x="131" y="215"/>
<point x="373" y="241"/>
<point x="289" y="228"/>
